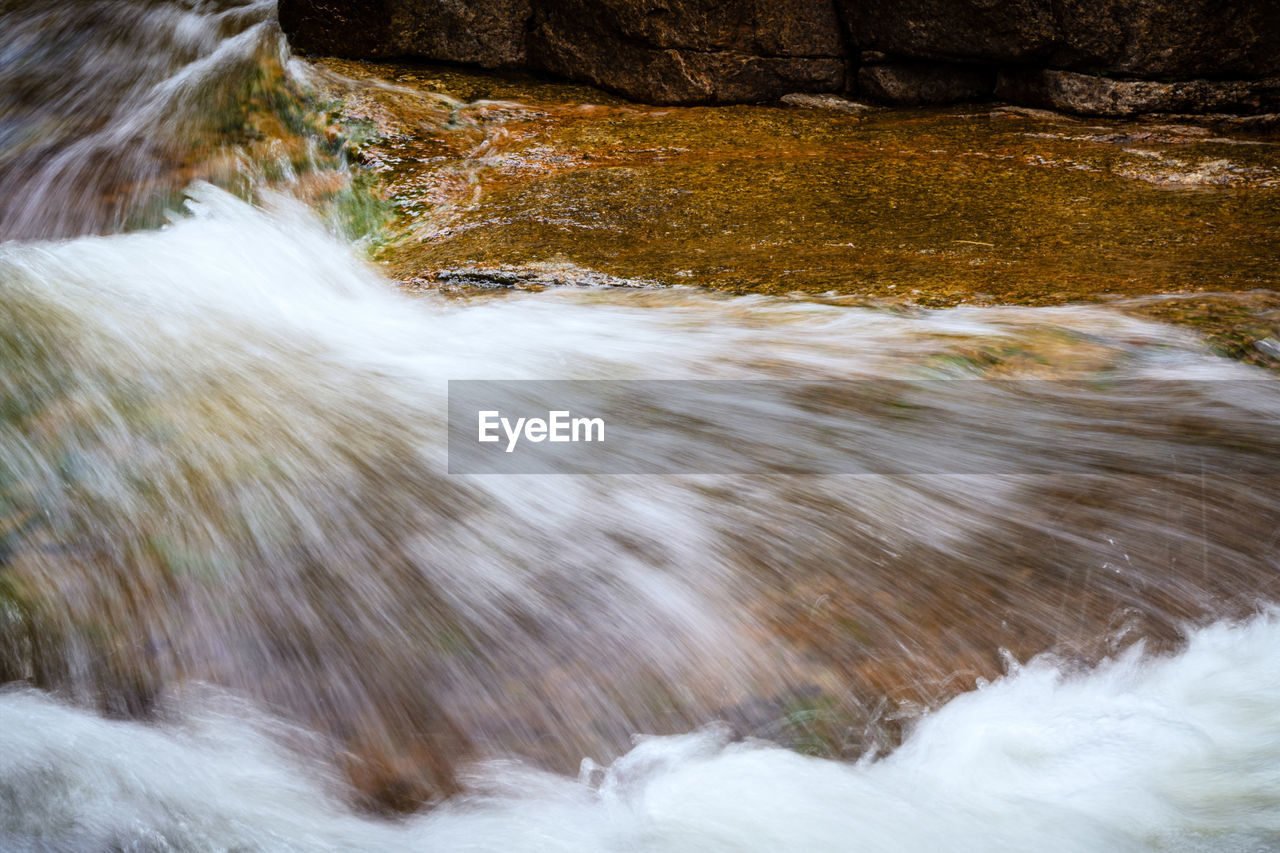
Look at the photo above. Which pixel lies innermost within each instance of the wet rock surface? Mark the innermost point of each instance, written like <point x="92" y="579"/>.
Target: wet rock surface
<point x="490" y="34"/>
<point x="1145" y="38"/>
<point x="1104" y="96"/>
<point x="922" y="83"/>
<point x="501" y="183"/>
<point x="692" y="51"/>
<point x="929" y="206"/>
<point x="1012" y="32"/>
<point x="1159" y="39"/>
<point x="659" y="52"/>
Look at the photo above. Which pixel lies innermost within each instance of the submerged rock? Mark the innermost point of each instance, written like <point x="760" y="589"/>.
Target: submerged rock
<point x="825" y="102"/>
<point x="933" y="206"/>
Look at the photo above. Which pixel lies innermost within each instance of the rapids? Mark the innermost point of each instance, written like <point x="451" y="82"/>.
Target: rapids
<point x="1178" y="754"/>
<point x="243" y="604"/>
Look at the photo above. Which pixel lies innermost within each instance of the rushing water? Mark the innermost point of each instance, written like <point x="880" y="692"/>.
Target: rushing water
<point x="1176" y="755"/>
<point x="240" y="597"/>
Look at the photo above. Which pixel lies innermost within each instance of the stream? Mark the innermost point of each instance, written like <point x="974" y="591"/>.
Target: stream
<point x="247" y="603"/>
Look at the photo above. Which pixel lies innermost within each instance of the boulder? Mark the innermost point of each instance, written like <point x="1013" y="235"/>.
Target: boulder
<point x="919" y="83"/>
<point x="1104" y="96"/>
<point x="911" y="51"/>
<point x="1169" y="38"/>
<point x="965" y="30"/>
<point x="339" y="27"/>
<point x="691" y="51"/>
<point x="660" y="51"/>
<point x="490" y="34"/>
<point x="1140" y="38"/>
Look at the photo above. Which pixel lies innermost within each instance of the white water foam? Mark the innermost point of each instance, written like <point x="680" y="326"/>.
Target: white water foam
<point x="1173" y="754"/>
